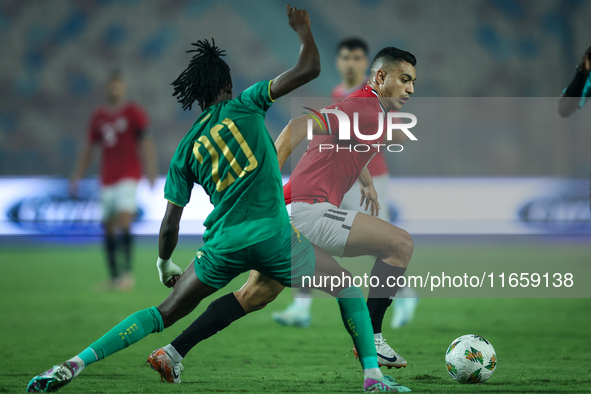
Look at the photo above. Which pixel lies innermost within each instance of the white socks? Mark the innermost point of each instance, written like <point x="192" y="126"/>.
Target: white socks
<point x="373" y="373"/>
<point x="172" y="353"/>
<point x="303" y="302"/>
<point x="78" y="361"/>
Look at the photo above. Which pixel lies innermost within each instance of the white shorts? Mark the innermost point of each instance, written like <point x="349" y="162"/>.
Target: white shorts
<point x="119" y="197"/>
<point x="353" y="196"/>
<point x="323" y="224"/>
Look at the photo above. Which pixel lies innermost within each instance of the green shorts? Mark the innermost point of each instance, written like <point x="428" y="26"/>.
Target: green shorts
<point x="285" y="257"/>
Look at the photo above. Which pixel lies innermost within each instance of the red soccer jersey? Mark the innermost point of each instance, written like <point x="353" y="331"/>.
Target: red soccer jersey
<point x="327" y="174"/>
<point x="118" y="131"/>
<point x="377" y="166"/>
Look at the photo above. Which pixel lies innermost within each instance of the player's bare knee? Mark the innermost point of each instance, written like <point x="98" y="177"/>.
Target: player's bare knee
<point x="244" y="300"/>
<point x="254" y="298"/>
<point x="405" y="247"/>
<point x="408" y="247"/>
<point x="124" y="221"/>
<point x="400" y="250"/>
<point x="109" y="228"/>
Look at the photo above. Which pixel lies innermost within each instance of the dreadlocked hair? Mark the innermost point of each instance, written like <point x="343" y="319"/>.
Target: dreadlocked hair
<point x="204" y="79"/>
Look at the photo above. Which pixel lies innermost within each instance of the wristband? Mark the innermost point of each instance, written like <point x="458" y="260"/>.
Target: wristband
<point x="163" y="263"/>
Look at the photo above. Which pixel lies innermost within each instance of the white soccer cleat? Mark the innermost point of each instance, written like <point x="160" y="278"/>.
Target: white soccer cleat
<point x="387" y="357"/>
<point x="162" y="363"/>
<point x="53" y="379"/>
<point x="295" y="315"/>
<point x="404" y="309"/>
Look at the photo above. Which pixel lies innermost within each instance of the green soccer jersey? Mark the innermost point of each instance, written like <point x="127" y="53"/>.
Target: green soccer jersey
<point x="230" y="153"/>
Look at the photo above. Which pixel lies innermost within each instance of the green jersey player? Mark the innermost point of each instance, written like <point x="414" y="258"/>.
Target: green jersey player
<point x="229" y="152"/>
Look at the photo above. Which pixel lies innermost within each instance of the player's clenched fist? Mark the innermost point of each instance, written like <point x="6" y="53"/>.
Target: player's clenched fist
<point x="168" y="271"/>
<point x="298" y="19"/>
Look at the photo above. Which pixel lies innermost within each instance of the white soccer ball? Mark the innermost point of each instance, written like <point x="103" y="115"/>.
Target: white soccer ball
<point x="470" y="359"/>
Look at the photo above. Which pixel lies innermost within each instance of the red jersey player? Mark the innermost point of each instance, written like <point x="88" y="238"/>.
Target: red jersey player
<point x="352" y="64"/>
<point x="119" y="128"/>
<point x="321" y="178"/>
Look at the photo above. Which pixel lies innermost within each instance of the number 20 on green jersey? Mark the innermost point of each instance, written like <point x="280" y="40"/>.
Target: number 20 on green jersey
<point x="205" y="142"/>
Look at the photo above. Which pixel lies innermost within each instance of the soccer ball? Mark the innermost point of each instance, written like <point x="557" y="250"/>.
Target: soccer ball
<point x="470" y="359"/>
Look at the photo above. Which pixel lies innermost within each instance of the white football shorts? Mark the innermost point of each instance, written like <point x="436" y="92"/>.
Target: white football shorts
<point x="323" y="224"/>
<point x="119" y="197"/>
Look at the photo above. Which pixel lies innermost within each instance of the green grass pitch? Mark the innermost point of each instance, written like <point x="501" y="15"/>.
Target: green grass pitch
<point x="50" y="310"/>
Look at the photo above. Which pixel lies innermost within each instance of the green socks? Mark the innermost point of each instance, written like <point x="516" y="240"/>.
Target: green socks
<point x="129" y="331"/>
<point x="356" y="318"/>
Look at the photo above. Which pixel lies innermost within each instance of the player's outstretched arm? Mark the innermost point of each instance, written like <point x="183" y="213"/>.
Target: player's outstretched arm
<point x="569" y="101"/>
<point x="308" y="65"/>
<point x="292" y="135"/>
<point x="167" y="240"/>
<point x="81" y="167"/>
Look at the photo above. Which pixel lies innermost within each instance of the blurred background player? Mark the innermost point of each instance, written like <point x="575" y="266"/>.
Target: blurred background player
<point x="352" y="63"/>
<point x="577" y="93"/>
<point x="119" y="128"/>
